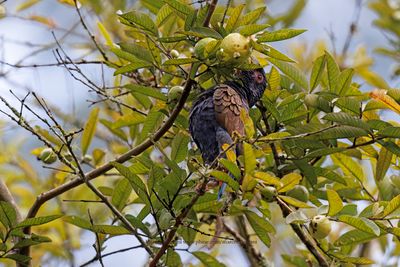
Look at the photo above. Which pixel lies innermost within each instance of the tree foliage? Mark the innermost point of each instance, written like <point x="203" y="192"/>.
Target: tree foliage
<point x="130" y="168"/>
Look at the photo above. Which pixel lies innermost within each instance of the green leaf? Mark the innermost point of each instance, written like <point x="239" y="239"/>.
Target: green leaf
<point x="393" y="205"/>
<point x="77" y="221"/>
<point x="142" y="20"/>
<point x="279" y="35"/>
<point x="221" y="176"/>
<point x="89" y="130"/>
<point x="138" y="224"/>
<point x="383" y="163"/>
<point x="271" y="52"/>
<point x="346" y="119"/>
<point x="180" y="61"/>
<point x="179" y="147"/>
<point x="362" y="224"/>
<point x="110" y="229"/>
<point x="207" y="259"/>
<point x="349" y="166"/>
<point x="342" y="132"/>
<point x="333" y="71"/>
<point x="173" y="259"/>
<point x="132" y="67"/>
<point x="274" y="79"/>
<point x="261" y="227"/>
<point x="289" y="181"/>
<point x="145" y="90"/>
<point x="295" y="260"/>
<point x="294" y="202"/>
<point x="163" y="14"/>
<point x="252" y="16"/>
<point x="37" y="221"/>
<point x="121" y="194"/>
<point x="138" y="51"/>
<point x="8" y="215"/>
<point x="179" y="6"/>
<point x="137" y="184"/>
<point x="232" y="22"/>
<point x="231" y="167"/>
<point x="354" y="237"/>
<point x="18" y="257"/>
<point x="335" y="202"/>
<point x="344" y="81"/>
<point x="317" y="71"/>
<point x="129" y="120"/>
<point x="390" y="131"/>
<point x="251" y="29"/>
<point x="291" y="71"/>
<point x="249" y="158"/>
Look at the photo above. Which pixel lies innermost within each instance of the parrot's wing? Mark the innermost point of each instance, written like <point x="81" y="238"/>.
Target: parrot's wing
<point x="227" y="106"/>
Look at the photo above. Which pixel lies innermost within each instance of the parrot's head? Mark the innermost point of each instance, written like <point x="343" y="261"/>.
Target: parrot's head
<point x="254" y="83"/>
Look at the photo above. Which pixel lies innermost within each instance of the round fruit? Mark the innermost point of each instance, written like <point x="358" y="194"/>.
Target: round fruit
<point x="48" y="156"/>
<point x="320" y="227"/>
<point x="174" y="93"/>
<point x="200" y="47"/>
<point x="269" y="193"/>
<point x="2" y="12"/>
<point x="174" y="53"/>
<point x="299" y="192"/>
<point x="311" y="100"/>
<point x="87" y="158"/>
<point x="234" y="49"/>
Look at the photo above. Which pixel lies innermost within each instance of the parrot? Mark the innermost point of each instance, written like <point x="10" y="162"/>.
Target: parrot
<point x="215" y="114"/>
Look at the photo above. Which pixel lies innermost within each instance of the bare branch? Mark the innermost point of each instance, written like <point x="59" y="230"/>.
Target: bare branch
<point x="89" y="33"/>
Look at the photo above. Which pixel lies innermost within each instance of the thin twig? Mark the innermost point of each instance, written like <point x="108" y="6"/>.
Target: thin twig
<point x="109" y="254"/>
<point x="88" y="31"/>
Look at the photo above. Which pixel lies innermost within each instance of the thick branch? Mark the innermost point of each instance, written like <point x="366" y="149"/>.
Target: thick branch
<point x="46" y="196"/>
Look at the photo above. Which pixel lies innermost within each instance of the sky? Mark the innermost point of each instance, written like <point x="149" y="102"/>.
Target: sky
<point x="55" y="85"/>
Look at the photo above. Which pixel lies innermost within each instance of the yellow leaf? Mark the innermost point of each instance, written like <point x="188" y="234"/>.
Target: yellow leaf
<point x="274" y="80"/>
<point x="89" y="131"/>
<point x="248" y="123"/>
<point x="381" y="95"/>
<point x="249" y="159"/>
<point x="67" y="2"/>
<point x="27" y="4"/>
<point x="335" y="202"/>
<point x="105" y="34"/>
<point x="46" y="21"/>
<point x="289" y="181"/>
<point x="268" y="178"/>
<point x="230" y="153"/>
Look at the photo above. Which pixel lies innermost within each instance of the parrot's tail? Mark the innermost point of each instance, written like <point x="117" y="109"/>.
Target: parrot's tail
<point x="223" y="187"/>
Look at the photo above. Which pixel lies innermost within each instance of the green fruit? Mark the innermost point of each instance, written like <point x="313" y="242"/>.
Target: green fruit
<point x="320" y="227"/>
<point x="311" y="100"/>
<point x="48" y="156"/>
<point x="395" y="180"/>
<point x="269" y="193"/>
<point x="234" y="50"/>
<point x="87" y="158"/>
<point x="316" y="101"/>
<point x="174" y="53"/>
<point x="174" y="94"/>
<point x="200" y="47"/>
<point x="299" y="192"/>
<point x="2" y="11"/>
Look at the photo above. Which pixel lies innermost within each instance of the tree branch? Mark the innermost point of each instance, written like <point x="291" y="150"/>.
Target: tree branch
<point x="307" y="241"/>
<point x="178" y="222"/>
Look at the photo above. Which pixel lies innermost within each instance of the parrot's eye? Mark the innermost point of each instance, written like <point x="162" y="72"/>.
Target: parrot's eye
<point x="259" y="77"/>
